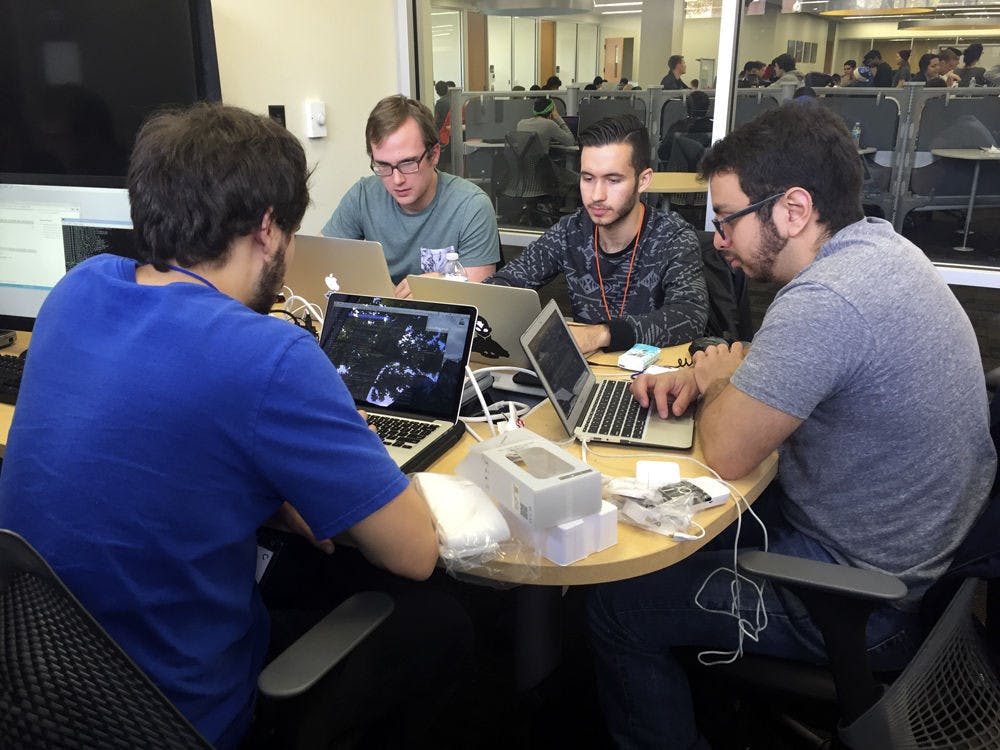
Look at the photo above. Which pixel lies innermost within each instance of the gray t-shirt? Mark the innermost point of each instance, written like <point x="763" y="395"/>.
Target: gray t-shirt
<point x="548" y="130"/>
<point x="460" y="218"/>
<point x="894" y="461"/>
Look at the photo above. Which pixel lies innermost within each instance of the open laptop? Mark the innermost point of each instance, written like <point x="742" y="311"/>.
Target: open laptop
<point x="504" y="314"/>
<point x="592" y="409"/>
<point x="403" y="362"/>
<point x="358" y="265"/>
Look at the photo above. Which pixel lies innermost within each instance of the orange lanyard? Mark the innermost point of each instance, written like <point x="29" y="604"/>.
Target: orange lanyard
<point x="628" y="279"/>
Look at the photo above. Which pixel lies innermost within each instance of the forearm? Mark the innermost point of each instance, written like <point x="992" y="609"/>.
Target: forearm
<point x="676" y="323"/>
<point x="537" y="265"/>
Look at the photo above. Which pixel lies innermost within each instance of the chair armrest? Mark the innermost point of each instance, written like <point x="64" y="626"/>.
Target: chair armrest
<point x="316" y="652"/>
<point x="831" y="578"/>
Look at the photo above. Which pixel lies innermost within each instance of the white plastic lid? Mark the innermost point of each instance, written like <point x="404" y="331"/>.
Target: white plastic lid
<point x="451" y="256"/>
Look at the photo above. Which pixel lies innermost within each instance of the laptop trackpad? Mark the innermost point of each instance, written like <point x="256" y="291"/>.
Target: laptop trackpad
<point x="677" y="432"/>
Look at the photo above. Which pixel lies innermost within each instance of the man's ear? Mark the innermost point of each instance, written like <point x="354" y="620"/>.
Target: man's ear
<point x="267" y="232"/>
<point x="645" y="177"/>
<point x="435" y="154"/>
<point x="795" y="210"/>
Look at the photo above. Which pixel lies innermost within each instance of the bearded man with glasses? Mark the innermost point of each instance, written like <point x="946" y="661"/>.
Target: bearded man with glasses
<point x="418" y="213"/>
<point x="865" y="373"/>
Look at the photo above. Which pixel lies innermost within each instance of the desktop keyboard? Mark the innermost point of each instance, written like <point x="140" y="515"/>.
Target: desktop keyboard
<point x="615" y="412"/>
<point x="11" y="369"/>
<point x="400" y="433"/>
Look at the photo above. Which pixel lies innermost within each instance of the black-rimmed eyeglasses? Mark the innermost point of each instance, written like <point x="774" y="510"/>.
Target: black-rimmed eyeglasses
<point x="752" y="208"/>
<point x="407" y="166"/>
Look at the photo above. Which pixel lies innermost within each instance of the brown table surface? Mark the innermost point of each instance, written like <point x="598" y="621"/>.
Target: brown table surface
<point x="6" y="410"/>
<point x="676" y="182"/>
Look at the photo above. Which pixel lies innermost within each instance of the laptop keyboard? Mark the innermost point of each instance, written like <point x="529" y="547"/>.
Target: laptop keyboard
<point x="400" y="433"/>
<point x="615" y="412"/>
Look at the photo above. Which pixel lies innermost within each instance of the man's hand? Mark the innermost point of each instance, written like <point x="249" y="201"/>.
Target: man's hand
<point x="297" y="524"/>
<point x="403" y="287"/>
<point x="591" y="338"/>
<point x="669" y="392"/>
<point x="716" y="364"/>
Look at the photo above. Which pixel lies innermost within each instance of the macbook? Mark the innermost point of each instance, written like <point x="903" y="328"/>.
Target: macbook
<point x="403" y="362"/>
<point x="504" y="314"/>
<point x="592" y="409"/>
<point x="358" y="265"/>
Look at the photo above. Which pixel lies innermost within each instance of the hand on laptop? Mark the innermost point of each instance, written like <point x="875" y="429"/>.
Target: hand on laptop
<point x="669" y="392"/>
<point x="590" y="338"/>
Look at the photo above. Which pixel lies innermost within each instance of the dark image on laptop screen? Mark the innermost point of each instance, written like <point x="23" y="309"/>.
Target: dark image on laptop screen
<point x="559" y="361"/>
<point x="396" y="358"/>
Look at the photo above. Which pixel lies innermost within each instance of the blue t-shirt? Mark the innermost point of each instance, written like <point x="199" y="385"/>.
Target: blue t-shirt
<point x="156" y="428"/>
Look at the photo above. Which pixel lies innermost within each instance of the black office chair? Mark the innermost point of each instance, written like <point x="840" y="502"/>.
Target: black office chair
<point x="948" y="696"/>
<point x="527" y="174"/>
<point x="64" y="683"/>
<point x="729" y="315"/>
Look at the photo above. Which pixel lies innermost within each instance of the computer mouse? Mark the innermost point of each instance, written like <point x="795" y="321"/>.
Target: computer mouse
<point x="701" y="343"/>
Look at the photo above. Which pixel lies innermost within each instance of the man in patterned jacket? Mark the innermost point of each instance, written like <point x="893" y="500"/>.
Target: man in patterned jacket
<point x="634" y="274"/>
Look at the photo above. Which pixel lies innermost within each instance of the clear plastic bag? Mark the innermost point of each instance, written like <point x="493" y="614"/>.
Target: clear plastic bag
<point x="667" y="510"/>
<point x="474" y="538"/>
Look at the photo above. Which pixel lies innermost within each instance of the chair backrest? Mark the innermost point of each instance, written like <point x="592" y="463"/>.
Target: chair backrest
<point x="64" y="683"/>
<point x="728" y="296"/>
<point x="528" y="168"/>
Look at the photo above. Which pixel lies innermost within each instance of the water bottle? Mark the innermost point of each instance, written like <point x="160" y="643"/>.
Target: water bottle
<point x="856" y="134"/>
<point x="453" y="269"/>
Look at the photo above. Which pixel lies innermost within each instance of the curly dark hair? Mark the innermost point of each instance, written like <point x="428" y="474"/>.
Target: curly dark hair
<point x="202" y="177"/>
<point x="796" y="145"/>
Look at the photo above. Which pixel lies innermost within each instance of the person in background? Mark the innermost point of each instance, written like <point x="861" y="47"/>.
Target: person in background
<point x="547" y="124"/>
<point x="829" y="380"/>
<point x="694" y="83"/>
<point x="970" y="74"/>
<point x="534" y="87"/>
<point x="598" y="82"/>
<point x="902" y="73"/>
<point x="847" y="77"/>
<point x="750" y="77"/>
<point x="676" y="67"/>
<point x="552" y="83"/>
<point x="418" y="213"/>
<point x="633" y="274"/>
<point x="201" y="418"/>
<point x="881" y="70"/>
<point x="785" y="72"/>
<point x="442" y="106"/>
<point x="927" y="71"/>
<point x="622" y="83"/>
<point x="948" y="60"/>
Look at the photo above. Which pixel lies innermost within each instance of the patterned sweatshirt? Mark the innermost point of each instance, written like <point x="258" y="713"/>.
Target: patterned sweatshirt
<point x="667" y="302"/>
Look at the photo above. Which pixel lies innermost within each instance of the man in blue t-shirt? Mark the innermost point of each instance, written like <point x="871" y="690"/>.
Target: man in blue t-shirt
<point x="418" y="213"/>
<point x="886" y="459"/>
<point x="163" y="418"/>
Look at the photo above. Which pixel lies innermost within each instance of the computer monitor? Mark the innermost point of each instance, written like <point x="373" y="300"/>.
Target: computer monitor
<point x="32" y="252"/>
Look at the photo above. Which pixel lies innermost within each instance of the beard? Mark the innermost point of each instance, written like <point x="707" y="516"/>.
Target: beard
<point x="760" y="265"/>
<point x="269" y="283"/>
<point x="616" y="217"/>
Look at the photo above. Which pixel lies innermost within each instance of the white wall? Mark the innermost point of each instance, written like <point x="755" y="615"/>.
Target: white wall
<point x="342" y="52"/>
<point x="623" y="26"/>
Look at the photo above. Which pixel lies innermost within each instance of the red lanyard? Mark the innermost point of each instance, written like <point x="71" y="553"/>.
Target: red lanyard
<point x="628" y="279"/>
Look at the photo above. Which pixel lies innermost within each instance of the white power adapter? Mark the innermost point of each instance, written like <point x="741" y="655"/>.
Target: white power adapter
<point x="717" y="492"/>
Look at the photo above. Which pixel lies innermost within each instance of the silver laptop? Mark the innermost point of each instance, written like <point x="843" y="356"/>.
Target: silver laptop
<point x="358" y="265"/>
<point x="504" y="314"/>
<point x="404" y="363"/>
<point x="592" y="409"/>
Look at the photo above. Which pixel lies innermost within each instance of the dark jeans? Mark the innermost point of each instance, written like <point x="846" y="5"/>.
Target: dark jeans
<point x="634" y="624"/>
<point x="394" y="688"/>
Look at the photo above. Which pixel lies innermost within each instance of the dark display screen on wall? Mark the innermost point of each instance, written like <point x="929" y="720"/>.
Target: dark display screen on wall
<point x="78" y="77"/>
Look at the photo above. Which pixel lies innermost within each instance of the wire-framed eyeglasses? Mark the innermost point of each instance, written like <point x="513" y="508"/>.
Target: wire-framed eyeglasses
<point x="752" y="208"/>
<point x="407" y="166"/>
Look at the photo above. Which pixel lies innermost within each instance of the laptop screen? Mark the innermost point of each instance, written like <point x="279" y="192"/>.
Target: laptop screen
<point x="405" y="356"/>
<point x="558" y="361"/>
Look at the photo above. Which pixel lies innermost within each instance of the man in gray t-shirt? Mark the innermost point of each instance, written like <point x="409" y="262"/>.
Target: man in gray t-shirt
<point x="418" y="213"/>
<point x="865" y="375"/>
